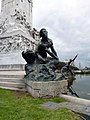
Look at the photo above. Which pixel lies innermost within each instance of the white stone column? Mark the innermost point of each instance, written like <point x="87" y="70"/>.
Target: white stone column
<point x="15" y="30"/>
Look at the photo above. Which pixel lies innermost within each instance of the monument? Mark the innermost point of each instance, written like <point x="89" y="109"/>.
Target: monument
<point x="19" y="40"/>
<point x="42" y="78"/>
<point x="16" y="32"/>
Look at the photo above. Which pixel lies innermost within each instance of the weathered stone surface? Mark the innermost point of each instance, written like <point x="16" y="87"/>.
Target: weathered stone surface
<point x="46" y="89"/>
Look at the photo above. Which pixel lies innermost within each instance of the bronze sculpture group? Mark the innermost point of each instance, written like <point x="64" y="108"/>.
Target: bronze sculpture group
<point x="40" y="66"/>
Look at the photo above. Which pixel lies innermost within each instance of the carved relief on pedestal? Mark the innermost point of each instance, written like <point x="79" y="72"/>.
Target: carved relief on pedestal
<point x="15" y="22"/>
<point x="20" y="20"/>
<point x="14" y="43"/>
<point x="18" y="14"/>
<point x="3" y="26"/>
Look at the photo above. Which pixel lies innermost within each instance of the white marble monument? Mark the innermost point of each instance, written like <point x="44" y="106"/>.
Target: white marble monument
<point x="16" y="32"/>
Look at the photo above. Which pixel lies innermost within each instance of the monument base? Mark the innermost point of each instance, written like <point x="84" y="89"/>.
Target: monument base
<point x="12" y="58"/>
<point x="46" y="89"/>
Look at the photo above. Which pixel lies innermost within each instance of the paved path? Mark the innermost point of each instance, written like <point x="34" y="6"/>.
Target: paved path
<point x="82" y="109"/>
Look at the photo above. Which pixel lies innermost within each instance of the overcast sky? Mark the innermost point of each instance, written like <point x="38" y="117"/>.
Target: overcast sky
<point x="68" y="25"/>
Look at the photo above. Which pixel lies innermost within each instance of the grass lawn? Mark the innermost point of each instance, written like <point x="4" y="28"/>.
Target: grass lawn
<point x="21" y="106"/>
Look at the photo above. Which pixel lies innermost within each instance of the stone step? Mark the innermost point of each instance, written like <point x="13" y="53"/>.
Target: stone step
<point x="12" y="67"/>
<point x="12" y="85"/>
<point x="12" y="88"/>
<point x="15" y="80"/>
<point x="12" y="74"/>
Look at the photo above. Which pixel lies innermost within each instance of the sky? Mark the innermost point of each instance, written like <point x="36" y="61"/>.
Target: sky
<point x="68" y="25"/>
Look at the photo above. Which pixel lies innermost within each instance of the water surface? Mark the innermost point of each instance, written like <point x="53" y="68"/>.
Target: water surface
<point x="81" y="86"/>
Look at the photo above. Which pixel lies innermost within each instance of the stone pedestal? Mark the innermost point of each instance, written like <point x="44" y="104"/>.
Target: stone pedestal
<point x="11" y="58"/>
<point x="46" y="89"/>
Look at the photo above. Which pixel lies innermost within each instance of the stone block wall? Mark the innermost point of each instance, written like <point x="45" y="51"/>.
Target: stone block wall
<point x="46" y="89"/>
